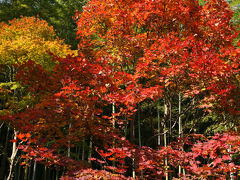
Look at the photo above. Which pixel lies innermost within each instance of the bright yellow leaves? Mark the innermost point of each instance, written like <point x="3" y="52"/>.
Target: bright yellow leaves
<point x="30" y="38"/>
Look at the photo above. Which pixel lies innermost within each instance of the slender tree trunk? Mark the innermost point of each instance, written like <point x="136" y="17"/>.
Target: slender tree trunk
<point x="179" y="126"/>
<point x="1" y="127"/>
<point x="230" y="147"/>
<point x="15" y="172"/>
<point x="165" y="135"/>
<point x="114" y="121"/>
<point x="132" y="139"/>
<point x="126" y="127"/>
<point x="10" y="73"/>
<point x="231" y="174"/>
<point x="26" y="173"/>
<point x="159" y="124"/>
<point x="194" y="119"/>
<point x="165" y="144"/>
<point x="184" y="172"/>
<point x="139" y="132"/>
<point x="139" y="127"/>
<point x="170" y="125"/>
<point x="34" y="170"/>
<point x="30" y="170"/>
<point x="132" y="132"/>
<point x="57" y="174"/>
<point x="78" y="152"/>
<point x="69" y="143"/>
<point x="14" y="145"/>
<point x="133" y="171"/>
<point x="45" y="173"/>
<point x="83" y="149"/>
<point x="113" y="112"/>
<point x="12" y="158"/>
<point x="90" y="151"/>
<point x="170" y="118"/>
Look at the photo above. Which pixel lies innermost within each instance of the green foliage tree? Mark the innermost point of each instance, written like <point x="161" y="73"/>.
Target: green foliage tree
<point x="235" y="5"/>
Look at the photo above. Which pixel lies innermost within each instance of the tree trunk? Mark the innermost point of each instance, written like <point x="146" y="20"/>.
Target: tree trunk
<point x="78" y="153"/>
<point x="15" y="170"/>
<point x="113" y="118"/>
<point x="1" y="126"/>
<point x="170" y="118"/>
<point x="57" y="174"/>
<point x="69" y="143"/>
<point x="45" y="172"/>
<point x="34" y="170"/>
<point x="113" y="112"/>
<point x="132" y="139"/>
<point x="83" y="149"/>
<point x="90" y="151"/>
<point x="133" y="171"/>
<point x="179" y="126"/>
<point x="26" y="173"/>
<point x="139" y="132"/>
<point x="132" y="132"/>
<point x="12" y="158"/>
<point x="159" y="125"/>
<point x="30" y="170"/>
<point x="194" y="118"/>
<point x="165" y="135"/>
<point x="126" y="127"/>
<point x="231" y="174"/>
<point x="139" y="128"/>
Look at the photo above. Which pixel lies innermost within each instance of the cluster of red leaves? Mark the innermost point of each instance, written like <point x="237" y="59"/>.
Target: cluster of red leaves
<point x="176" y="45"/>
<point x="201" y="157"/>
<point x="208" y="157"/>
<point x="90" y="174"/>
<point x="72" y="94"/>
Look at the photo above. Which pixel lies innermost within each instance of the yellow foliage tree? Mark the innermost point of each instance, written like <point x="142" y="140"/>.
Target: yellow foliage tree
<point x="23" y="39"/>
<point x="30" y="38"/>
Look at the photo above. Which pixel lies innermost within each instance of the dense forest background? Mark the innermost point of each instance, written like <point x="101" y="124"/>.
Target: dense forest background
<point x="119" y="89"/>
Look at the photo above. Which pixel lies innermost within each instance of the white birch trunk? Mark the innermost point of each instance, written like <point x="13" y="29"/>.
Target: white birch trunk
<point x="12" y="158"/>
<point x="165" y="136"/>
<point x="179" y="125"/>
